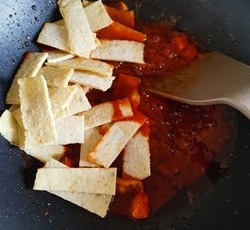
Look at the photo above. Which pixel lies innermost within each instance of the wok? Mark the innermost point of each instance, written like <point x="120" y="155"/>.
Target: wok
<point x="218" y="25"/>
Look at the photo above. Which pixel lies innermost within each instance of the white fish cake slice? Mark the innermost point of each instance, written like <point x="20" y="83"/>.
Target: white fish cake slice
<point x="97" y="15"/>
<point x="53" y="163"/>
<point x="112" y="143"/>
<point x="92" y="80"/>
<point x="44" y="153"/>
<point x="107" y="112"/>
<point x="87" y="180"/>
<point x="52" y="30"/>
<point x="56" y="77"/>
<point x="70" y="130"/>
<point x="79" y="103"/>
<point x="13" y="108"/>
<point x="79" y="63"/>
<point x="136" y="158"/>
<point x="79" y="33"/>
<point x="86" y="3"/>
<point x="58" y="55"/>
<point x="92" y="136"/>
<point x="8" y="127"/>
<point x="20" y="128"/>
<point x="119" y="50"/>
<point x="95" y="203"/>
<point x="37" y="116"/>
<point x="18" y="116"/>
<point x="61" y="97"/>
<point x="29" y="67"/>
<point x="85" y="89"/>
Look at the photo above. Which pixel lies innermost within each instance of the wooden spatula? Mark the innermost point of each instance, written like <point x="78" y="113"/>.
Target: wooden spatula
<point x="214" y="79"/>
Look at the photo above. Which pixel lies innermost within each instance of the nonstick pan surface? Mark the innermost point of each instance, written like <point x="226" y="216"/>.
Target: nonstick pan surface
<point x="218" y="25"/>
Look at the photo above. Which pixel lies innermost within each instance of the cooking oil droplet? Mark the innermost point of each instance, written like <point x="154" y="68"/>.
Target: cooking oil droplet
<point x="33" y="7"/>
<point x="209" y="39"/>
<point x="10" y="15"/>
<point x="235" y="43"/>
<point x="18" y="24"/>
<point x="26" y="43"/>
<point x="36" y="19"/>
<point x="13" y="61"/>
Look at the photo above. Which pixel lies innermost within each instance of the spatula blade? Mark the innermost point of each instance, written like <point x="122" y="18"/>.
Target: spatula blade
<point x="215" y="78"/>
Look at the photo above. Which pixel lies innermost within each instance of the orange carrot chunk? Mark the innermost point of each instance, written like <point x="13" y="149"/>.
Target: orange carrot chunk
<point x="119" y="31"/>
<point x="126" y="18"/>
<point x="122" y="6"/>
<point x="139" y="208"/>
<point x="125" y="186"/>
<point x="127" y="86"/>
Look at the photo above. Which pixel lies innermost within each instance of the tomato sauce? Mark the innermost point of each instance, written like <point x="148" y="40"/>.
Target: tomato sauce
<point x="184" y="139"/>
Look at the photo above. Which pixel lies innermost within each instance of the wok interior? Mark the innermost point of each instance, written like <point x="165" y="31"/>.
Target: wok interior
<point x="224" y="30"/>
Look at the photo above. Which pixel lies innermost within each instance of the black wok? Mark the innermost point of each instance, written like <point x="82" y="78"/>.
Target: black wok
<point x="218" y="25"/>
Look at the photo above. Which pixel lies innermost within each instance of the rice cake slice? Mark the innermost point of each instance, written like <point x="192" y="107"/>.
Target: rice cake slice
<point x="107" y="112"/>
<point x="119" y="50"/>
<point x="70" y="130"/>
<point x="87" y="180"/>
<point x="136" y="158"/>
<point x="56" y="77"/>
<point x="92" y="136"/>
<point x="79" y="33"/>
<point x="58" y="55"/>
<point x="29" y="67"/>
<point x="114" y="140"/>
<point x="95" y="203"/>
<point x="80" y="63"/>
<point x="97" y="16"/>
<point x="8" y="127"/>
<point x="92" y="80"/>
<point x="37" y="116"/>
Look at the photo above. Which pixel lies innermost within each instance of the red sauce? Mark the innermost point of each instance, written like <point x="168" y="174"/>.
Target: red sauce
<point x="184" y="139"/>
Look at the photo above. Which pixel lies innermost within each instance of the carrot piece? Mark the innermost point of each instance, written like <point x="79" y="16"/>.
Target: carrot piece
<point x="127" y="86"/>
<point x="190" y="52"/>
<point x="118" y="4"/>
<point x="126" y="18"/>
<point x="122" y="6"/>
<point x="119" y="31"/>
<point x="139" y="208"/>
<point x="104" y="128"/>
<point x="124" y="186"/>
<point x="180" y="41"/>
